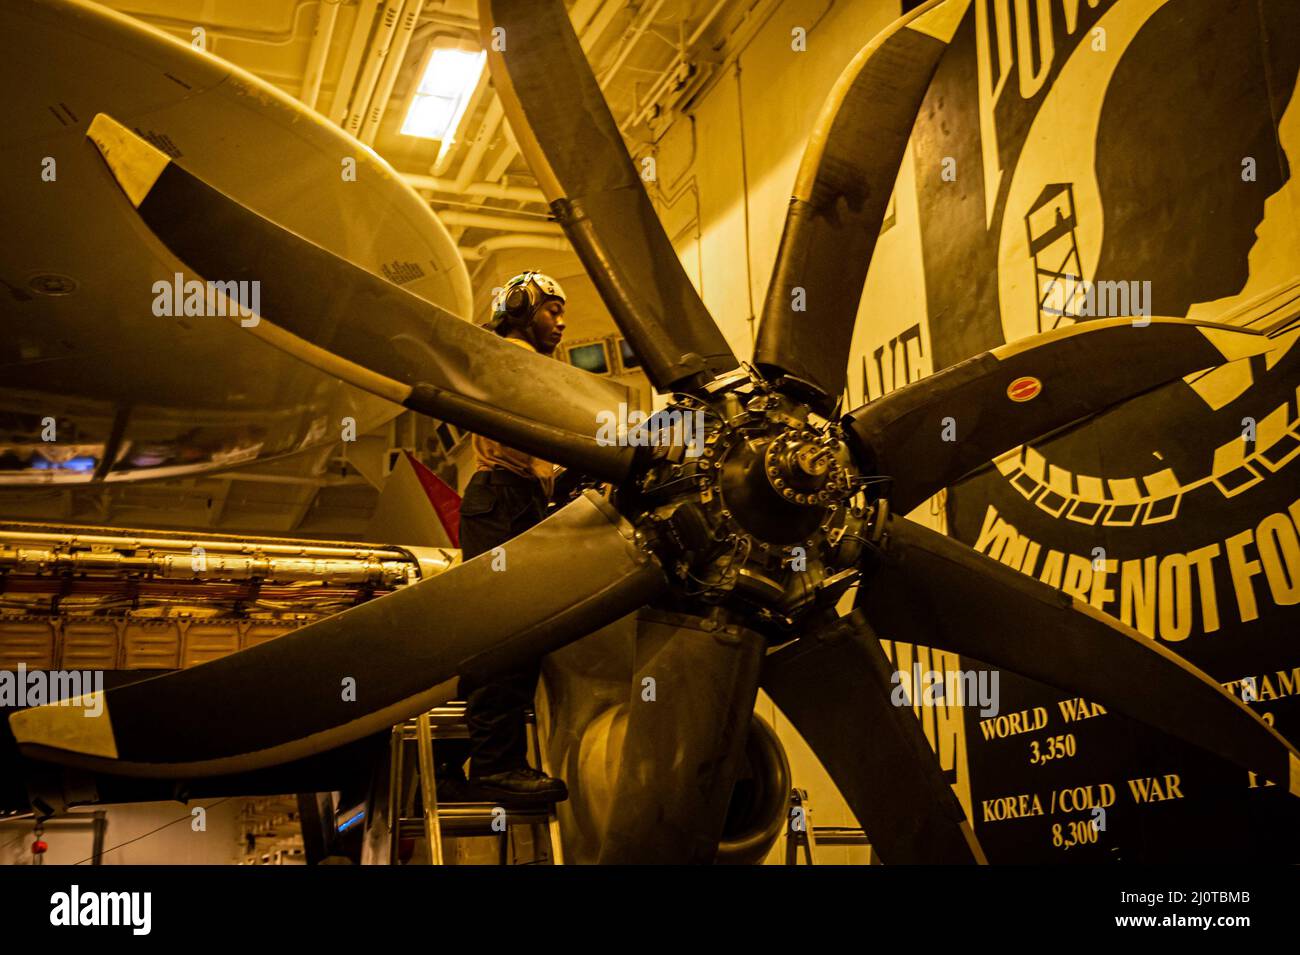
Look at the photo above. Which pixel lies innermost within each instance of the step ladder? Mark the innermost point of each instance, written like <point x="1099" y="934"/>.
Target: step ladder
<point x="461" y="818"/>
<point x="802" y="834"/>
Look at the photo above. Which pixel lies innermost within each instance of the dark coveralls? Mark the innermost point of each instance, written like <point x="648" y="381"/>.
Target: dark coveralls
<point x="497" y="506"/>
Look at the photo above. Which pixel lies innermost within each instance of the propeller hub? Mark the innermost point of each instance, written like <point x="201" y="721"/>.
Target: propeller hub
<point x="804" y="467"/>
<point x="765" y="516"/>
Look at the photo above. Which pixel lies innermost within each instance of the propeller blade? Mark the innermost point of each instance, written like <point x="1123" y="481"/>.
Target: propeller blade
<point x="52" y="788"/>
<point x="367" y="331"/>
<point x="840" y="197"/>
<point x="566" y="132"/>
<point x="836" y="686"/>
<point x="683" y="747"/>
<point x="930" y="433"/>
<point x="936" y="591"/>
<point x="363" y="670"/>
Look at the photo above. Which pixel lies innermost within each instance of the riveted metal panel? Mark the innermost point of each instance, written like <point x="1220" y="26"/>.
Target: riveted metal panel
<point x="90" y="645"/>
<point x="263" y="631"/>
<point x="28" y="640"/>
<point x="151" y="645"/>
<point x="208" y="641"/>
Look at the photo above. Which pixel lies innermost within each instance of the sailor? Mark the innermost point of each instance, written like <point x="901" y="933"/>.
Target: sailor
<point x="507" y="495"/>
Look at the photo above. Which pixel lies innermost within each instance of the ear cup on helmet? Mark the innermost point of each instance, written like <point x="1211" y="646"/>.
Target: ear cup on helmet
<point x="519" y="302"/>
<point x="515" y="304"/>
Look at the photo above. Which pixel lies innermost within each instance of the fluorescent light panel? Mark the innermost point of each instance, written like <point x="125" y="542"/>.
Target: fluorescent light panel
<point x="443" y="94"/>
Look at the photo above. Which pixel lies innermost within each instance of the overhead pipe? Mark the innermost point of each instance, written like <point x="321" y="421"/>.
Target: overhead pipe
<point x="678" y="62"/>
<point x="660" y="87"/>
<point x="326" y="17"/>
<point x="590" y="18"/>
<point x="504" y="223"/>
<point x="496" y="243"/>
<point x="392" y="64"/>
<point x="57" y="551"/>
<point x="374" y="62"/>
<point x="485" y="190"/>
<point x="739" y="38"/>
<point x="231" y="32"/>
<point x="637" y="30"/>
<point x="492" y="119"/>
<point x="437" y="19"/>
<point x="509" y="150"/>
<point x="352" y="61"/>
<point x="447" y="148"/>
<point x="704" y="24"/>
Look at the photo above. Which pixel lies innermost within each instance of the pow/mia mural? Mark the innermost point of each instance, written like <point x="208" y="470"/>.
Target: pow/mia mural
<point x="1129" y="157"/>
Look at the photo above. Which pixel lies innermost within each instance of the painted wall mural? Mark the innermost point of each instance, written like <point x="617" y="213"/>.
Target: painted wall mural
<point x="1079" y="159"/>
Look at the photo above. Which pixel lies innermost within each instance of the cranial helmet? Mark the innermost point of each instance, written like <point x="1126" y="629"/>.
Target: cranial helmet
<point x="519" y="298"/>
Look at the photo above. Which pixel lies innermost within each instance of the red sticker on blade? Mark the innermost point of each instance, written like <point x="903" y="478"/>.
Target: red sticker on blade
<point x="1023" y="389"/>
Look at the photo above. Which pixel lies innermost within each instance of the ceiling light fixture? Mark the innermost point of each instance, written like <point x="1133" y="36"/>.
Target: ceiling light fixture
<point x="443" y="94"/>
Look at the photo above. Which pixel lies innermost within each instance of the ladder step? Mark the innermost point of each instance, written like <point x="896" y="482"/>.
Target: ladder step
<point x="471" y="818"/>
<point x="455" y="818"/>
<point x="840" y="836"/>
<point x="448" y="722"/>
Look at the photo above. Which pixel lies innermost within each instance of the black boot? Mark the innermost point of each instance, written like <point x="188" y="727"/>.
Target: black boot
<point x="520" y="787"/>
<point x="452" y="785"/>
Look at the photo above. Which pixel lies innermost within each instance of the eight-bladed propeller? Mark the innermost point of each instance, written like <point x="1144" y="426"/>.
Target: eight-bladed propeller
<point x="746" y="538"/>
